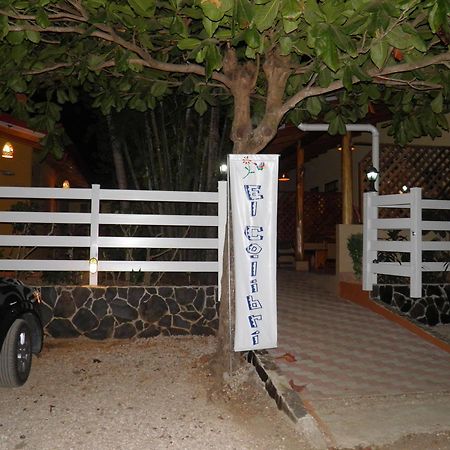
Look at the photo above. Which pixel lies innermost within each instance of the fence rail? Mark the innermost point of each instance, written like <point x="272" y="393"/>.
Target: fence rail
<point x="414" y="246"/>
<point x="95" y="219"/>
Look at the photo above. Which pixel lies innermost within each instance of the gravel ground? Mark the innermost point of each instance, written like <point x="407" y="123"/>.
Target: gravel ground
<point x="144" y="394"/>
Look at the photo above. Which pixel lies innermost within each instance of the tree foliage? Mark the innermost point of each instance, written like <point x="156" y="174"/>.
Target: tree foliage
<point x="279" y="60"/>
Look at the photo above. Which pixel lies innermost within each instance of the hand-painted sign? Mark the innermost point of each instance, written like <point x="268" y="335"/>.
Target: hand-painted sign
<point x="253" y="184"/>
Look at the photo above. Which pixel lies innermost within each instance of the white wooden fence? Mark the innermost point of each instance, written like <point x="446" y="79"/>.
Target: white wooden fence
<point x="415" y="225"/>
<point x="95" y="218"/>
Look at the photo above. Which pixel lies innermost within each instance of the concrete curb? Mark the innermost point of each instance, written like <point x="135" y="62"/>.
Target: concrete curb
<point x="288" y="400"/>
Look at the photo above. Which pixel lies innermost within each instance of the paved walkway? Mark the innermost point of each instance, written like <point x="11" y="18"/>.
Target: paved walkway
<point x="345" y="354"/>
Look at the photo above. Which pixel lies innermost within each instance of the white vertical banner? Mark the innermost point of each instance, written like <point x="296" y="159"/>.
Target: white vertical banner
<point x="254" y="193"/>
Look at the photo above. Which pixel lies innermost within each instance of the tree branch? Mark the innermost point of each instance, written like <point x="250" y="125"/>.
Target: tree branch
<point x="413" y="84"/>
<point x="443" y="58"/>
<point x="107" y="34"/>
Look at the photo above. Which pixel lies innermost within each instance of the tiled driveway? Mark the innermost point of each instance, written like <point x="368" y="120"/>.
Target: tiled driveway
<point x="344" y="350"/>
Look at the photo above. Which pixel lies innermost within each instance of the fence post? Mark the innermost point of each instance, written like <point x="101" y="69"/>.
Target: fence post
<point x="95" y="219"/>
<point x="222" y="222"/>
<point x="416" y="243"/>
<point x="370" y="214"/>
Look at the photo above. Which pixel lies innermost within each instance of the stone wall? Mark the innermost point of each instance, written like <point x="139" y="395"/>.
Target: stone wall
<point x="126" y="312"/>
<point x="432" y="309"/>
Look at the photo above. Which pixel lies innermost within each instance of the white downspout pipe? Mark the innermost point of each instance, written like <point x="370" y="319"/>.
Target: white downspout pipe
<point x="353" y="127"/>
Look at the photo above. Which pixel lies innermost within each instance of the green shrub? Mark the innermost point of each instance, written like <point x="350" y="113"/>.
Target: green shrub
<point x="355" y="248"/>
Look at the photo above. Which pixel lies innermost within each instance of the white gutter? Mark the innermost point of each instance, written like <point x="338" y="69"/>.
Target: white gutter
<point x="353" y="127"/>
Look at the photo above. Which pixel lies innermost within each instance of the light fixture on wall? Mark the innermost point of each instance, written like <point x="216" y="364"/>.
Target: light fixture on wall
<point x="223" y="171"/>
<point x="372" y="176"/>
<point x="339" y="149"/>
<point x="66" y="184"/>
<point x="93" y="265"/>
<point x="284" y="178"/>
<point x="8" y="150"/>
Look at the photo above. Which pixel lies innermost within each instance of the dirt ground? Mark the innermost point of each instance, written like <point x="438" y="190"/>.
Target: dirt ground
<point x="149" y="394"/>
<point x="144" y="394"/>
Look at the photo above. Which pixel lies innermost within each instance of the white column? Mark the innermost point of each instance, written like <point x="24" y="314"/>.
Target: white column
<point x="416" y="243"/>
<point x="95" y="219"/>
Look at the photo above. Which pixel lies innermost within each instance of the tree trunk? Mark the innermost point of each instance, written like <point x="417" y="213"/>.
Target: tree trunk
<point x="119" y="164"/>
<point x="227" y="361"/>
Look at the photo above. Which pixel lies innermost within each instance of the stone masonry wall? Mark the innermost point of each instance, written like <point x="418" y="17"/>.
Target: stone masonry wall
<point x="126" y="312"/>
<point x="432" y="309"/>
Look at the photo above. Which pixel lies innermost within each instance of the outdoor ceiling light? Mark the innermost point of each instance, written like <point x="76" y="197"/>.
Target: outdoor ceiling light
<point x="8" y="150"/>
<point x="93" y="265"/>
<point x="284" y="178"/>
<point x="372" y="176"/>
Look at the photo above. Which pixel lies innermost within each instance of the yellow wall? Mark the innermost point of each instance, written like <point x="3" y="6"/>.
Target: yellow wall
<point x="344" y="262"/>
<point x="16" y="171"/>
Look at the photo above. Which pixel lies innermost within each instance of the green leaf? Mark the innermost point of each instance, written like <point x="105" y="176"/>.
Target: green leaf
<point x="200" y="55"/>
<point x="188" y="85"/>
<point x="442" y="121"/>
<point x="252" y="37"/>
<point x="17" y="84"/>
<point x="95" y="4"/>
<point x="379" y="50"/>
<point x="416" y="41"/>
<point x="343" y="41"/>
<point x="61" y="96"/>
<point x="145" y="8"/>
<point x="326" y="49"/>
<point x="325" y="77"/>
<point x="244" y="13"/>
<point x="285" y="45"/>
<point x="437" y="104"/>
<point x="398" y="38"/>
<point x="4" y="26"/>
<point x="193" y="13"/>
<point x="33" y="36"/>
<point x="359" y="73"/>
<point x="438" y="15"/>
<point x="18" y="52"/>
<point x="15" y="37"/>
<point x="178" y="27"/>
<point x="94" y="61"/>
<point x="210" y="26"/>
<point x="265" y="15"/>
<point x="158" y="88"/>
<point x="200" y="106"/>
<point x="290" y="25"/>
<point x="213" y="59"/>
<point x="373" y="92"/>
<point x="291" y="9"/>
<point x="312" y="12"/>
<point x="212" y="11"/>
<point x="313" y="106"/>
<point x="188" y="43"/>
<point x="347" y="78"/>
<point x="337" y="125"/>
<point x="250" y="53"/>
<point x="332" y="10"/>
<point x="42" y="19"/>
